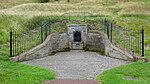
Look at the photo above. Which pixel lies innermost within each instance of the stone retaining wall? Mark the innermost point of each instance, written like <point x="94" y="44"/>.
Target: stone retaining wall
<point x="95" y="41"/>
<point x="54" y="42"/>
<point x="99" y="42"/>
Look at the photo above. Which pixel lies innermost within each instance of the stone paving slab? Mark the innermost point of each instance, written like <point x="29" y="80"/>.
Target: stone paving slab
<point x="77" y="64"/>
<point x="61" y="81"/>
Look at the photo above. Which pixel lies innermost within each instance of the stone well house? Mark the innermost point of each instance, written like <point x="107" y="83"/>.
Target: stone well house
<point x="77" y="35"/>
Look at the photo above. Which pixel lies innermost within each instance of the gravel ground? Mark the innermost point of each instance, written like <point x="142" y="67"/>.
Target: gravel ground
<point x="76" y="64"/>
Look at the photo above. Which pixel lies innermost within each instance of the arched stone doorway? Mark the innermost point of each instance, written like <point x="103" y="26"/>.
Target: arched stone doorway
<point x="77" y="36"/>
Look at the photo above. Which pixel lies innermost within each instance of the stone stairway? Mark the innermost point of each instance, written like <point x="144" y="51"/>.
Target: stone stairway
<point x="77" y="46"/>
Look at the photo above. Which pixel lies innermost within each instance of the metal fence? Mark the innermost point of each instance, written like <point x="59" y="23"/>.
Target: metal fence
<point x="22" y="41"/>
<point x="131" y="41"/>
<point x="128" y="40"/>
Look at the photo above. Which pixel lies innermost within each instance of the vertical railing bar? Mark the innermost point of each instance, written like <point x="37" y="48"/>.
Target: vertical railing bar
<point x="111" y="31"/>
<point x="41" y="34"/>
<point x="15" y="43"/>
<point x="11" y="53"/>
<point x="108" y="29"/>
<point x="22" y="45"/>
<point x="142" y="41"/>
<point x="105" y="25"/>
<point x="134" y="41"/>
<point x="131" y="42"/>
<point x="140" y="44"/>
<point x="44" y="31"/>
<point x="23" y="42"/>
<point x="49" y="28"/>
<point x="124" y="38"/>
<point x="26" y="41"/>
<point x="126" y="42"/>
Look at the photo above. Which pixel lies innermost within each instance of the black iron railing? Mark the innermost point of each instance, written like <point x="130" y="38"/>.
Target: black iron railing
<point x="20" y="42"/>
<point x="127" y="39"/>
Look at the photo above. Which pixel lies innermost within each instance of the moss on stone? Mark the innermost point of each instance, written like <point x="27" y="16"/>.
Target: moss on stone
<point x="102" y="52"/>
<point x="52" y="53"/>
<point x="66" y="49"/>
<point x="62" y="50"/>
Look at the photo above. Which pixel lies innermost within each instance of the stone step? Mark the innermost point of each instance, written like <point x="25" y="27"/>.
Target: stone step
<point x="77" y="51"/>
<point x="77" y="46"/>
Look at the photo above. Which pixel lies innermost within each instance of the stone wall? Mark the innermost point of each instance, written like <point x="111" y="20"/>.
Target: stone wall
<point x="54" y="42"/>
<point x="99" y="42"/>
<point x="94" y="41"/>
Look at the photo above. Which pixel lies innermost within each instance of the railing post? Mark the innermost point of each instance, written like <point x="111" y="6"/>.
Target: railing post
<point x="50" y="29"/>
<point x="143" y="41"/>
<point x="108" y="29"/>
<point x="11" y="51"/>
<point x="41" y="34"/>
<point x="111" y="32"/>
<point x="105" y="23"/>
<point x="45" y="31"/>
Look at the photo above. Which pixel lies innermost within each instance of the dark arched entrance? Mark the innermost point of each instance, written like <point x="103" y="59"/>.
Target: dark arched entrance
<point x="77" y="36"/>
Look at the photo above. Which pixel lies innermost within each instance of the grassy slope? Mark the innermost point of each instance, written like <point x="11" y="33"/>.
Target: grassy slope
<point x="10" y="3"/>
<point x="139" y="70"/>
<point x="136" y="23"/>
<point x="96" y="7"/>
<point x="14" y="73"/>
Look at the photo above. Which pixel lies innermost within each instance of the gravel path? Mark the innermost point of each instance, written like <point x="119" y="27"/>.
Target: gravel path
<point x="77" y="64"/>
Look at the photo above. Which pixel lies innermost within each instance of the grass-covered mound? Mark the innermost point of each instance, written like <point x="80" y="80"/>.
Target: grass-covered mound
<point x="138" y="73"/>
<point x="15" y="73"/>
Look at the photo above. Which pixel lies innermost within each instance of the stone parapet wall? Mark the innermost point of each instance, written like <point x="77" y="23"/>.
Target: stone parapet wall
<point x="93" y="41"/>
<point x="54" y="42"/>
<point x="99" y="42"/>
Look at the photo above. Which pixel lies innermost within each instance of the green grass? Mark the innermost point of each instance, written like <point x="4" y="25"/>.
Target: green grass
<point x="147" y="54"/>
<point x="4" y="51"/>
<point x="16" y="73"/>
<point x="96" y="7"/>
<point x="139" y="70"/>
<point x="4" y="4"/>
